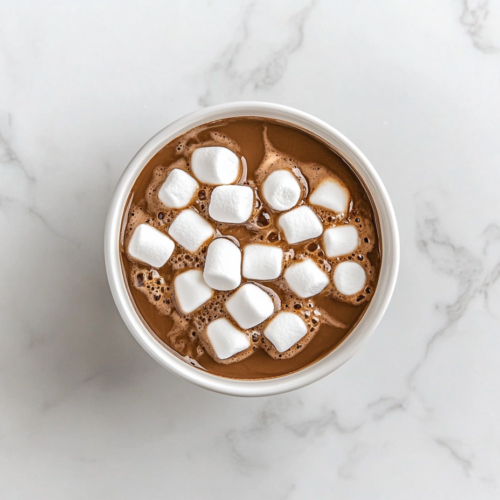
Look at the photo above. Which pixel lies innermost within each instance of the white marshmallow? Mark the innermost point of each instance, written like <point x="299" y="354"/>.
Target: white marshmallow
<point x="190" y="230"/>
<point x="249" y="306"/>
<point x="262" y="262"/>
<point x="306" y="279"/>
<point x="285" y="330"/>
<point x="231" y="204"/>
<point x="178" y="189"/>
<point x="340" y="240"/>
<point x="223" y="265"/>
<point x="215" y="165"/>
<point x="349" y="278"/>
<point x="150" y="246"/>
<point x="191" y="291"/>
<point x="300" y="224"/>
<point x="332" y="195"/>
<point x="226" y="339"/>
<point x="281" y="190"/>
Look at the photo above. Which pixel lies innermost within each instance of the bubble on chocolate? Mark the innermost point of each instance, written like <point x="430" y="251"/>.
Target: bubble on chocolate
<point x="154" y="287"/>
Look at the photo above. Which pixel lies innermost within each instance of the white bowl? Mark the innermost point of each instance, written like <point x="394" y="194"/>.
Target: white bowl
<point x="388" y="233"/>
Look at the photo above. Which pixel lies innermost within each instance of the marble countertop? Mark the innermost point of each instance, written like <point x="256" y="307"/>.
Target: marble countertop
<point x="86" y="413"/>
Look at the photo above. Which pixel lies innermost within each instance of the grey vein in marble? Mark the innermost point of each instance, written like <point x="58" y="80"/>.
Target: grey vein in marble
<point x="21" y="188"/>
<point x="450" y="259"/>
<point x="8" y="157"/>
<point x="475" y="20"/>
<point x="240" y="68"/>
<point x="464" y="462"/>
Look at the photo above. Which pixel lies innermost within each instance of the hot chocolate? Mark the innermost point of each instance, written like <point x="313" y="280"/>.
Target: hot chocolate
<point x="250" y="248"/>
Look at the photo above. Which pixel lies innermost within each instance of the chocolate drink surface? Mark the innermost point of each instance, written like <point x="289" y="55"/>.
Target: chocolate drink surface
<point x="262" y="147"/>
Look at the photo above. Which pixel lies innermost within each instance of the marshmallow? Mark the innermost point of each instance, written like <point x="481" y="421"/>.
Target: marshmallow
<point x="331" y="194"/>
<point x="223" y="265"/>
<point x="249" y="306"/>
<point x="150" y="246"/>
<point x="349" y="278"/>
<point x="281" y="190"/>
<point x="190" y="230"/>
<point x="226" y="339"/>
<point x="300" y="224"/>
<point x="306" y="279"/>
<point x="340" y="240"/>
<point x="178" y="189"/>
<point x="285" y="330"/>
<point x="231" y="204"/>
<point x="215" y="165"/>
<point x="262" y="262"/>
<point x="191" y="291"/>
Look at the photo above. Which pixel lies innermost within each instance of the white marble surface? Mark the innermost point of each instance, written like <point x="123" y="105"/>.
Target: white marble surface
<point x="85" y="413"/>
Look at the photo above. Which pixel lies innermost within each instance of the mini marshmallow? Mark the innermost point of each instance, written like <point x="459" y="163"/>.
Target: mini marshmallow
<point x="340" y="240"/>
<point x="190" y="230"/>
<point x="223" y="265"/>
<point x="249" y="306"/>
<point x="281" y="190"/>
<point x="331" y="194"/>
<point x="349" y="278"/>
<point x="300" y="224"/>
<point x="226" y="339"/>
<point x="285" y="330"/>
<point x="178" y="189"/>
<point x="306" y="279"/>
<point x="150" y="246"/>
<point x="262" y="262"/>
<point x="231" y="204"/>
<point x="215" y="165"/>
<point x="191" y="291"/>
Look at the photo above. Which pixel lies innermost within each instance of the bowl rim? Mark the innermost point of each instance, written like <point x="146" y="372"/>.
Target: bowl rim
<point x="349" y="346"/>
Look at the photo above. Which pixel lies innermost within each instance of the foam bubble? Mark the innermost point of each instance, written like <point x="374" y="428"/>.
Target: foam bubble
<point x="154" y="287"/>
